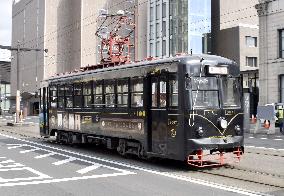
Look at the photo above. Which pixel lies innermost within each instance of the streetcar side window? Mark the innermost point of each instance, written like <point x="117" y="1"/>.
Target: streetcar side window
<point x="98" y="94"/>
<point x="163" y="93"/>
<point x="87" y="93"/>
<point x="61" y="96"/>
<point x="53" y="96"/>
<point x="173" y="92"/>
<point x="110" y="95"/>
<point x="69" y="96"/>
<point x="78" y="95"/>
<point x="122" y="93"/>
<point x="137" y="92"/>
<point x="154" y="82"/>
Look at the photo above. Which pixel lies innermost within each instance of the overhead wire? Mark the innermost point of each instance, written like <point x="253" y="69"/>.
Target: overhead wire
<point x="195" y="22"/>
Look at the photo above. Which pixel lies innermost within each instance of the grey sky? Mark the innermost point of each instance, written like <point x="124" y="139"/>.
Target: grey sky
<point x="5" y="26"/>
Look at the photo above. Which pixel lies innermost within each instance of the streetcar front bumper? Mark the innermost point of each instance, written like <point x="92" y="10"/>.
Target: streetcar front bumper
<point x="223" y="143"/>
<point x="206" y="152"/>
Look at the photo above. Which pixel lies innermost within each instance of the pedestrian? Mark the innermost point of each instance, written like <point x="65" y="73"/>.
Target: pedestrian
<point x="280" y="116"/>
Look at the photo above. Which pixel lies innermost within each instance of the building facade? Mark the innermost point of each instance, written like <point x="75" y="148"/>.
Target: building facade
<point x="67" y="29"/>
<point x="5" y="90"/>
<point x="235" y="36"/>
<point x="271" y="33"/>
<point x="178" y="26"/>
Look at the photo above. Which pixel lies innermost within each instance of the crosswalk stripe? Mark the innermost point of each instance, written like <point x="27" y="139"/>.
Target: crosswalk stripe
<point x="26" y="151"/>
<point x="88" y="169"/>
<point x="45" y="155"/>
<point x="64" y="161"/>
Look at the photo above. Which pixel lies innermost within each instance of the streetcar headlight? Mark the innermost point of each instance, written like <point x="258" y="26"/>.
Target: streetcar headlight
<point x="223" y="123"/>
<point x="199" y="132"/>
<point x="238" y="130"/>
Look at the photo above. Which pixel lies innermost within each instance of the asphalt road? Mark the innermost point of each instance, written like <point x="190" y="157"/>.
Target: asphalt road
<point x="275" y="141"/>
<point x="29" y="167"/>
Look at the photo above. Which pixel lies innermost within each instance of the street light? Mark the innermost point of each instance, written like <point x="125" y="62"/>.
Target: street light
<point x="19" y="49"/>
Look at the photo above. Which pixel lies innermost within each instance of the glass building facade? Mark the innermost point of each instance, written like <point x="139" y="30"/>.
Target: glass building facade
<point x="179" y="26"/>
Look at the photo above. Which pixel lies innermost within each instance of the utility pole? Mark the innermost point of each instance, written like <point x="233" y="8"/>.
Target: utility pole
<point x="18" y="49"/>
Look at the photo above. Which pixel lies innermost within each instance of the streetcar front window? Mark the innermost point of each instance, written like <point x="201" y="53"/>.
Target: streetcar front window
<point x="204" y="92"/>
<point x="231" y="92"/>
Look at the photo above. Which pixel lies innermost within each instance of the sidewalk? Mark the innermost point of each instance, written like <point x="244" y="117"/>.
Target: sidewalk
<point x="262" y="131"/>
<point x="29" y="127"/>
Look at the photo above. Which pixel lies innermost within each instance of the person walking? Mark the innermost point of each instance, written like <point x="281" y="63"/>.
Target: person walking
<point x="280" y="115"/>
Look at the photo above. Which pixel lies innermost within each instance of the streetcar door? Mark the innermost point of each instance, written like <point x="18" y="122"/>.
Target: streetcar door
<point x="158" y="114"/>
<point x="43" y="111"/>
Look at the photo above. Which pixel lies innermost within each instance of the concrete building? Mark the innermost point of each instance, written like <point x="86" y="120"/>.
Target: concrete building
<point x="178" y="26"/>
<point x="5" y="91"/>
<point x="271" y="46"/>
<point x="67" y="29"/>
<point x="221" y="27"/>
<point x="235" y="36"/>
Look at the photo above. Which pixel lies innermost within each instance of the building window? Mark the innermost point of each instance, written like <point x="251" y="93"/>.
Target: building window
<point x="158" y="12"/>
<point x="164" y="28"/>
<point x="151" y="32"/>
<point x="152" y="49"/>
<point x="158" y="48"/>
<point x="158" y="30"/>
<point x="281" y="88"/>
<point x="164" y="10"/>
<point x="251" y="61"/>
<point x="251" y="41"/>
<point x="281" y="43"/>
<point x="151" y="14"/>
<point x="164" y="48"/>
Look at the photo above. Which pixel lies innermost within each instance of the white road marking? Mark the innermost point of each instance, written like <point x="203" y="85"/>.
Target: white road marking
<point x="278" y="139"/>
<point x="39" y="175"/>
<point x="45" y="155"/>
<point x="257" y="147"/>
<point x="173" y="176"/>
<point x="7" y="161"/>
<point x="65" y="179"/>
<point x="88" y="169"/>
<point x="251" y="137"/>
<point x="12" y="146"/>
<point x="263" y="138"/>
<point x="31" y="150"/>
<point x="64" y="161"/>
<point x="11" y="165"/>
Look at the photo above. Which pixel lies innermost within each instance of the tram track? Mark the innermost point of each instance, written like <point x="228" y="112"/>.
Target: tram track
<point x="250" y="175"/>
<point x="266" y="154"/>
<point x="220" y="172"/>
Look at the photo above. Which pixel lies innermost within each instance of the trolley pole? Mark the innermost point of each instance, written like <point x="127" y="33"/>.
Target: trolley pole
<point x="18" y="49"/>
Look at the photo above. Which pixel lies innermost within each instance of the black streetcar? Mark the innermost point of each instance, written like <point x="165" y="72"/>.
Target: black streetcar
<point x="177" y="108"/>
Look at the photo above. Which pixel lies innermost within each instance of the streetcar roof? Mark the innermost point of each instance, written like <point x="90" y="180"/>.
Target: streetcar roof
<point x="185" y="58"/>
